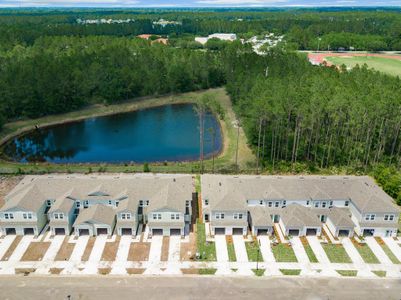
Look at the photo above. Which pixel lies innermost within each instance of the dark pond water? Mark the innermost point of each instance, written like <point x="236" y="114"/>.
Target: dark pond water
<point x="166" y="133"/>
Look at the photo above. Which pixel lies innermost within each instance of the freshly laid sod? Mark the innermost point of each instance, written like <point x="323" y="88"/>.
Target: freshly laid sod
<point x="230" y="248"/>
<point x="207" y="271"/>
<point x="348" y="273"/>
<point x="365" y="252"/>
<point x="336" y="253"/>
<point x="380" y="273"/>
<point x="308" y="250"/>
<point x="259" y="272"/>
<point x="292" y="272"/>
<point x="207" y="250"/>
<point x="284" y="253"/>
<point x="252" y="248"/>
<point x="388" y="252"/>
<point x="386" y="65"/>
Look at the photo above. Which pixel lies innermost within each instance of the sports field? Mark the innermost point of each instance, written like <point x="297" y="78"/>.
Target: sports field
<point x="390" y="66"/>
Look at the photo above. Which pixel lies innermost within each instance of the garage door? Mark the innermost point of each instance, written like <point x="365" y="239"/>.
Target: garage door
<point x="157" y="231"/>
<point x="293" y="232"/>
<point x="102" y="231"/>
<point x="238" y="231"/>
<point x="83" y="231"/>
<point x="29" y="231"/>
<point x="311" y="231"/>
<point x="262" y="232"/>
<point x="126" y="231"/>
<point x="59" y="231"/>
<point x="219" y="230"/>
<point x="343" y="232"/>
<point x="11" y="231"/>
<point x="175" y="231"/>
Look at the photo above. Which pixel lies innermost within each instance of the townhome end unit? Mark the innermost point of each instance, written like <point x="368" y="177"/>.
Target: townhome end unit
<point x="99" y="204"/>
<point x="297" y="205"/>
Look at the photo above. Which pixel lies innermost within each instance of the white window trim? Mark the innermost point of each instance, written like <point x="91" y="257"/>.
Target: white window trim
<point x="238" y="216"/>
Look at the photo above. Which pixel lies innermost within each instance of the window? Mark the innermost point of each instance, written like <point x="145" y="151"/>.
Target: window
<point x="147" y="202"/>
<point x="141" y="203"/>
<point x="157" y="216"/>
<point x="9" y="216"/>
<point x="317" y="204"/>
<point x="324" y="204"/>
<point x="86" y="203"/>
<point x="206" y="201"/>
<point x="27" y="216"/>
<point x="276" y="204"/>
<point x="270" y="204"/>
<point x="261" y="202"/>
<point x="346" y="203"/>
<point x="388" y="217"/>
<point x="307" y="202"/>
<point x="238" y="216"/>
<point x="187" y="203"/>
<point x="59" y="216"/>
<point x="49" y="203"/>
<point x="284" y="203"/>
<point x="77" y="204"/>
<point x="110" y="202"/>
<point x="370" y="217"/>
<point x="117" y="203"/>
<point x="219" y="216"/>
<point x="126" y="216"/>
<point x="175" y="216"/>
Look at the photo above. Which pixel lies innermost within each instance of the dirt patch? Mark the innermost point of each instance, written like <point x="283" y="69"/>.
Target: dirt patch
<point x="134" y="271"/>
<point x="139" y="252"/>
<point x="165" y="245"/>
<point x="188" y="250"/>
<point x="104" y="271"/>
<point x="7" y="183"/>
<point x="110" y="250"/>
<point x="24" y="271"/>
<point x="88" y="249"/>
<point x="12" y="247"/>
<point x="35" y="251"/>
<point x="55" y="271"/>
<point x="65" y="250"/>
<point x="190" y="271"/>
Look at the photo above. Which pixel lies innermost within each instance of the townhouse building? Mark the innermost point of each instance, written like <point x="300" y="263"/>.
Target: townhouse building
<point x="298" y="205"/>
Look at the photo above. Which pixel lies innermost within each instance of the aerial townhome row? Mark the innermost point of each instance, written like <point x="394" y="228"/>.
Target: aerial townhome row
<point x="297" y="206"/>
<point x="95" y="205"/>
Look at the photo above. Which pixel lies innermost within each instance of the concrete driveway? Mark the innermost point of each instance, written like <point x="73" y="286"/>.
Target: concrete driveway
<point x="221" y="248"/>
<point x="240" y="249"/>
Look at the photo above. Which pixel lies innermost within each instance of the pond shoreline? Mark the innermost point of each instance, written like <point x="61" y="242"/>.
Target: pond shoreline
<point x="20" y="128"/>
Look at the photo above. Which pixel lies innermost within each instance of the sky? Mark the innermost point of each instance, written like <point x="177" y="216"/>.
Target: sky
<point x="194" y="3"/>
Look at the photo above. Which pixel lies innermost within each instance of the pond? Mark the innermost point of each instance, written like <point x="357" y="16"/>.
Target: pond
<point x="165" y="133"/>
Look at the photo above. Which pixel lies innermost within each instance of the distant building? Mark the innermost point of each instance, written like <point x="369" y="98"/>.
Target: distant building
<point x="159" y="39"/>
<point x="230" y="37"/>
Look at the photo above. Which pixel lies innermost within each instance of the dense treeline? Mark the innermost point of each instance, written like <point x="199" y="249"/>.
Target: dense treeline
<point x="59" y="74"/>
<point x="360" y="29"/>
<point x="295" y="112"/>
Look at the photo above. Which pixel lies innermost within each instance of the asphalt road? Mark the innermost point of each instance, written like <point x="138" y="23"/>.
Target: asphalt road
<point x="188" y="287"/>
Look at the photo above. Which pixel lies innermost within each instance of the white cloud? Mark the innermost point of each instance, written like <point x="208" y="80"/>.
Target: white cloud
<point x="68" y="3"/>
<point x="240" y="2"/>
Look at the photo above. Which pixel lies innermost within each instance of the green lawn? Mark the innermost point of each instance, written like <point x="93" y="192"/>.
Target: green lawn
<point x="385" y="65"/>
<point x="290" y="271"/>
<point x="207" y="250"/>
<point x="252" y="250"/>
<point x="284" y="253"/>
<point x="231" y="250"/>
<point x="348" y="273"/>
<point x="207" y="271"/>
<point x="336" y="253"/>
<point x="308" y="250"/>
<point x="258" y="272"/>
<point x="366" y="253"/>
<point x="380" y="273"/>
<point x="389" y="253"/>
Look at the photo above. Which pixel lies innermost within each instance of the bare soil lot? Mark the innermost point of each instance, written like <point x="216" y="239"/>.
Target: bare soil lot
<point x="35" y="251"/>
<point x="110" y="250"/>
<point x="139" y="252"/>
<point x="65" y="250"/>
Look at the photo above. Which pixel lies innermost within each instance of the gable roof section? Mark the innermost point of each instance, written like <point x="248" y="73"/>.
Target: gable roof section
<point x="28" y="199"/>
<point x="296" y="215"/>
<point x="340" y="217"/>
<point x="97" y="214"/>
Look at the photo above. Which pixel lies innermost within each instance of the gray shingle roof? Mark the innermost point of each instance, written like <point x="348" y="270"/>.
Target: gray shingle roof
<point x="261" y="216"/>
<point x="99" y="214"/>
<point x="361" y="190"/>
<point x="340" y="217"/>
<point x="296" y="215"/>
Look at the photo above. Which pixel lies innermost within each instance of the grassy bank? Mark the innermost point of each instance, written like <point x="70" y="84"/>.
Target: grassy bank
<point x="223" y="163"/>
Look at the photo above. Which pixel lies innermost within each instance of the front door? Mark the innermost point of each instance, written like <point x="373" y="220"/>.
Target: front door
<point x="389" y="233"/>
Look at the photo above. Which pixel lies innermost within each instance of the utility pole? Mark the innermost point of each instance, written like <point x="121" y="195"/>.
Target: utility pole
<point x="236" y="149"/>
